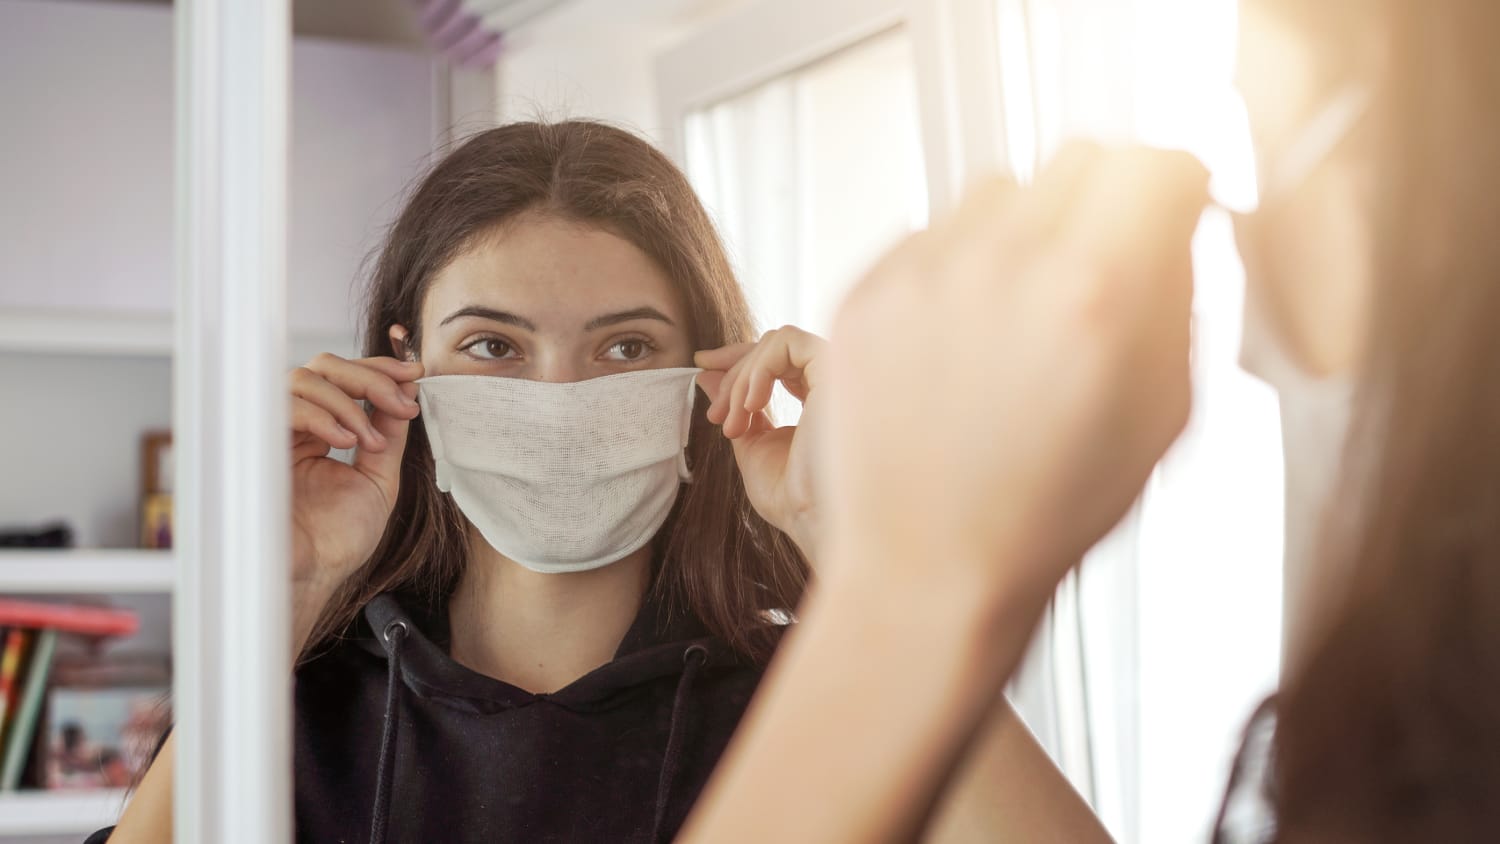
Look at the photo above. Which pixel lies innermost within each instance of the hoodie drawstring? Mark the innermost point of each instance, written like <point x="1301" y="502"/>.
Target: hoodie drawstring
<point x="395" y="634"/>
<point x="693" y="659"/>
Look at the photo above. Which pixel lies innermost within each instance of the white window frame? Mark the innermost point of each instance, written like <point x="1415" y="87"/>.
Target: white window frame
<point x="962" y="121"/>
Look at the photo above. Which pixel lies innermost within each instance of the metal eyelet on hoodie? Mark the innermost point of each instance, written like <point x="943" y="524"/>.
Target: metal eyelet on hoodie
<point x="390" y="629"/>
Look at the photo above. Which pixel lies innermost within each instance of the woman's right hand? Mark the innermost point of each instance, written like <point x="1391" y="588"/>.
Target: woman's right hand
<point x="1016" y="371"/>
<point x="339" y="510"/>
<point x="1001" y="386"/>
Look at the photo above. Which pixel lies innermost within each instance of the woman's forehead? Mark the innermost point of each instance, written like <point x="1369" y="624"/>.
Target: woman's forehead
<point x="555" y="272"/>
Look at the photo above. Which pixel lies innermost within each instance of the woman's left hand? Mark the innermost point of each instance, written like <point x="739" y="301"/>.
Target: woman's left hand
<point x="776" y="463"/>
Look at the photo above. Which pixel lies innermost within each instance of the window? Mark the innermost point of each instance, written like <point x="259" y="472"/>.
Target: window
<point x="819" y="133"/>
<point x="1178" y="616"/>
<point x="811" y="175"/>
<point x="815" y="167"/>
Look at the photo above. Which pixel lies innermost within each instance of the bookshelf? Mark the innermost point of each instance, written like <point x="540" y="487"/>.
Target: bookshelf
<point x="139" y="579"/>
<point x="85" y="571"/>
<point x="25" y="814"/>
<point x="87" y="335"/>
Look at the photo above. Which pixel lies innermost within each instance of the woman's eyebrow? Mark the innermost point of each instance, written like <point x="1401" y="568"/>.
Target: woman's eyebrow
<point x="491" y="314"/>
<point x="626" y="316"/>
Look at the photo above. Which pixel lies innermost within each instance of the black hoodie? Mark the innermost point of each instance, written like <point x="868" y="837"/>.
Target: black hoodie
<point x="447" y="754"/>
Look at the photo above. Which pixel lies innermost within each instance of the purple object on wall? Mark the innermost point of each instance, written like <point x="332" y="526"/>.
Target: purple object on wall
<point x="458" y="34"/>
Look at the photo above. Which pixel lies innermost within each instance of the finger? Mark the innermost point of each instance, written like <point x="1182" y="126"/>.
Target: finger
<point x="758" y="424"/>
<point x="709" y="382"/>
<point x="759" y="378"/>
<point x="755" y="425"/>
<point x="997" y="216"/>
<point x="718" y="403"/>
<point x="760" y="385"/>
<point x="738" y="419"/>
<point x="722" y="407"/>
<point x="1038" y="213"/>
<point x="1139" y="208"/>
<point x="981" y="208"/>
<point x="384" y="465"/>
<point x="723" y="357"/>
<point x="725" y="411"/>
<point x="367" y="379"/>
<point x="306" y="446"/>
<point x="311" y="387"/>
<point x="792" y="359"/>
<point x="394" y="368"/>
<point x="309" y="419"/>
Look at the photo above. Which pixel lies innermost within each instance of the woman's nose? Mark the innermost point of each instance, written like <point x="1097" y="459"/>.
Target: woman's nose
<point x="557" y="369"/>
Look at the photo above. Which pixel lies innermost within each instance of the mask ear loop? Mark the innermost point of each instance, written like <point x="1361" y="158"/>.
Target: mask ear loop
<point x="1319" y="137"/>
<point x="1314" y="141"/>
<point x="1297" y="162"/>
<point x="684" y="473"/>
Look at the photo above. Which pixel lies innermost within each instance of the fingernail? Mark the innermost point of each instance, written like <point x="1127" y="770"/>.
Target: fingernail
<point x="345" y="431"/>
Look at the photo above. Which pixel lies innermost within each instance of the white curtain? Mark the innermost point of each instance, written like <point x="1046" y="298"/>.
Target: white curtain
<point x="1167" y="637"/>
<point x="811" y="175"/>
<point x="1151" y="656"/>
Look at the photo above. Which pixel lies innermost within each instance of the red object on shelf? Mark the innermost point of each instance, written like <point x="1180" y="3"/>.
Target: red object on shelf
<point x="69" y="618"/>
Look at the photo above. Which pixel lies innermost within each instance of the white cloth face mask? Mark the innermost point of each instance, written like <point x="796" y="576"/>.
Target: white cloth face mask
<point x="1316" y="417"/>
<point x="1316" y="410"/>
<point x="562" y="477"/>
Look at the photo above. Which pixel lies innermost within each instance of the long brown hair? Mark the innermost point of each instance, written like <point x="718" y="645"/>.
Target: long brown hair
<point x="1390" y="730"/>
<point x="715" y="557"/>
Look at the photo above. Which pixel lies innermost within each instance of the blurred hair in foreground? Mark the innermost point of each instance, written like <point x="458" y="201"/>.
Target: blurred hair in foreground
<point x="1388" y="731"/>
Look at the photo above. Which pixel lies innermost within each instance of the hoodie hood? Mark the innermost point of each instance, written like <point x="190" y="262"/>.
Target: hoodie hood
<point x="653" y="648"/>
<point x="654" y="678"/>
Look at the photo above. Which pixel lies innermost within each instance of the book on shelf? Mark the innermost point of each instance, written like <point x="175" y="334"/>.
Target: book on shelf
<point x="14" y="643"/>
<point x="73" y="718"/>
<point x="70" y="618"/>
<point x="22" y="731"/>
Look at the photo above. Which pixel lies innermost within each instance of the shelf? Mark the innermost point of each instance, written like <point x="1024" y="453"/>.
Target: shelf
<point x="58" y="812"/>
<point x="68" y="332"/>
<point x="85" y="571"/>
<point x="42" y="331"/>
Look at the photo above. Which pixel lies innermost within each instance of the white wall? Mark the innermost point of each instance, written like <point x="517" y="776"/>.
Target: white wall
<point x="86" y="217"/>
<point x="86" y="155"/>
<point x="362" y="132"/>
<point x="596" y="59"/>
<point x="70" y="440"/>
<point x="86" y="233"/>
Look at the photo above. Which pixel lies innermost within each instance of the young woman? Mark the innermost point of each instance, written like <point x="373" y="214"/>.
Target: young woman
<point x="1060" y="313"/>
<point x="539" y="632"/>
<point x="536" y="602"/>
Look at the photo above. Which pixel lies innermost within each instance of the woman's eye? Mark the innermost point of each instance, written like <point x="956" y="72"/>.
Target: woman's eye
<point x="490" y="349"/>
<point x="629" y="350"/>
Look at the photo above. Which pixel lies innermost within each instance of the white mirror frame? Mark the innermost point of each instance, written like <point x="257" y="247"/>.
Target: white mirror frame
<point x="230" y="611"/>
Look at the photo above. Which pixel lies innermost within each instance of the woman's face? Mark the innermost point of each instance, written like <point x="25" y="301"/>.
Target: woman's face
<point x="550" y="300"/>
